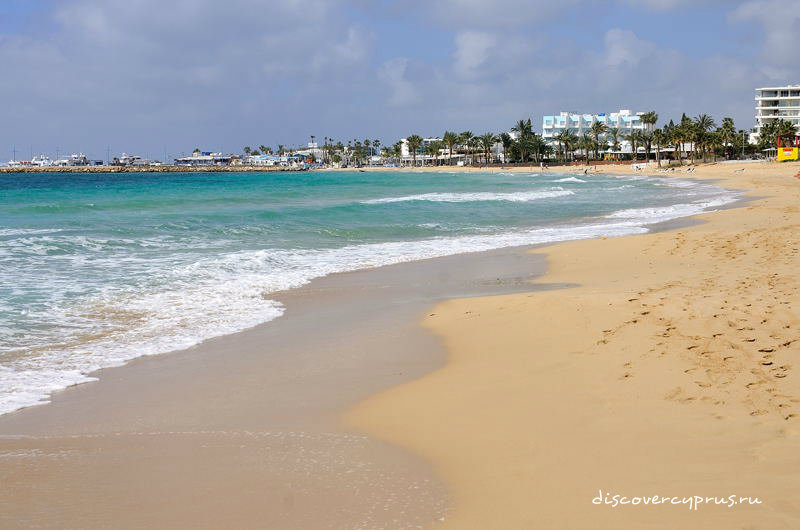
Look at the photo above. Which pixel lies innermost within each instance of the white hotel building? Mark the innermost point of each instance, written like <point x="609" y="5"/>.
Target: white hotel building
<point x="624" y="120"/>
<point x="781" y="102"/>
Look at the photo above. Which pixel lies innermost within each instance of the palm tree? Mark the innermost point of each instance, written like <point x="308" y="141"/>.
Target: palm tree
<point x="659" y="139"/>
<point x="727" y="136"/>
<point x="649" y="119"/>
<point x="507" y="141"/>
<point x="414" y="143"/>
<point x="646" y="137"/>
<point x="614" y="134"/>
<point x="450" y="139"/>
<point x="702" y="125"/>
<point x="596" y="130"/>
<point x="487" y="142"/>
<point x="397" y="151"/>
<point x="570" y="143"/>
<point x="633" y="138"/>
<point x="474" y="145"/>
<point x="561" y="142"/>
<point x="586" y="144"/>
<point x="464" y="140"/>
<point x="785" y="130"/>
<point x="523" y="127"/>
<point x="432" y="150"/>
<point x="524" y="146"/>
<point x="247" y="150"/>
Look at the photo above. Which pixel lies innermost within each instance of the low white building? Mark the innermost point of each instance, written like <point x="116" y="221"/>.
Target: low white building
<point x="422" y="152"/>
<point x="74" y="160"/>
<point x="135" y="160"/>
<point x="207" y="158"/>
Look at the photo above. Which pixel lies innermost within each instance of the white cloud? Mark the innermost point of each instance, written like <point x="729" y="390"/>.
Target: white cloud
<point x="779" y="21"/>
<point x="623" y="48"/>
<point x="393" y="74"/>
<point x="471" y="14"/>
<point x="666" y="5"/>
<point x="473" y="48"/>
<point x="197" y="70"/>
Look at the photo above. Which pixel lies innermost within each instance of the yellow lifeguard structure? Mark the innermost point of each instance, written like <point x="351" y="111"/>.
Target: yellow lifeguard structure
<point x="790" y="152"/>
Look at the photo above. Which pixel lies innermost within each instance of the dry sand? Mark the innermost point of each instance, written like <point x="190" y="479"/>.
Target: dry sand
<point x="670" y="371"/>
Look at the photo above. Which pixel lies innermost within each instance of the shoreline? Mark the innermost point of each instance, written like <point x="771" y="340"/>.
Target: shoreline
<point x="260" y="407"/>
<point x="667" y="370"/>
<point x="83" y="395"/>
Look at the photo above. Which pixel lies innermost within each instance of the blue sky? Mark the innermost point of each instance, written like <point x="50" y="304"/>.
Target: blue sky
<point x="143" y="76"/>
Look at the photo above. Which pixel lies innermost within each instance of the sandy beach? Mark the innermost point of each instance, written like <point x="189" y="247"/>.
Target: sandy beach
<point x="667" y="371"/>
<point x="651" y="365"/>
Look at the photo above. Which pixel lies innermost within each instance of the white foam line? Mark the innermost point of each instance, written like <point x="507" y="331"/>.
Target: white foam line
<point x="522" y="196"/>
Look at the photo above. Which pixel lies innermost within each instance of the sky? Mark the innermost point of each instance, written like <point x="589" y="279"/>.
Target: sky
<point x="161" y="77"/>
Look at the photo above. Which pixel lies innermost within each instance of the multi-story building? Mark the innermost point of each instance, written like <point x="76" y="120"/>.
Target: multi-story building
<point x="578" y="124"/>
<point x="774" y="103"/>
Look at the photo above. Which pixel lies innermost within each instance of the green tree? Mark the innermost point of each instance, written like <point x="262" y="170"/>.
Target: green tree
<point x="614" y="135"/>
<point x="786" y="131"/>
<point x="487" y="142"/>
<point x="414" y="143"/>
<point x="727" y="136"/>
<point x="465" y="139"/>
<point x="523" y="128"/>
<point x="633" y="139"/>
<point x="450" y="139"/>
<point x="432" y="150"/>
<point x="649" y="119"/>
<point x="659" y="139"/>
<point x="597" y="129"/>
<point x="507" y="142"/>
<point x="586" y="144"/>
<point x="702" y="125"/>
<point x="646" y="138"/>
<point x="397" y="151"/>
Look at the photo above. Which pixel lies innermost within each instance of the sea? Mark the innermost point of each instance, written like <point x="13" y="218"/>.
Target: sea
<point x="97" y="269"/>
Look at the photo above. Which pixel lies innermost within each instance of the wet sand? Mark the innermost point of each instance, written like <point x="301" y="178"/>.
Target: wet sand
<point x="244" y="431"/>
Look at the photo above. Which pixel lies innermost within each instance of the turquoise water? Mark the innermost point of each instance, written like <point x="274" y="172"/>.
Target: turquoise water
<point x="97" y="269"/>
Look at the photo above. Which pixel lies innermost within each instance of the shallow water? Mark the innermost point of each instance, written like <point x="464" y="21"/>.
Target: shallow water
<point x="97" y="269"/>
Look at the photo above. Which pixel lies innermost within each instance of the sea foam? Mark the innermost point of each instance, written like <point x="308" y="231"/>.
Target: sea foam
<point x="521" y="196"/>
